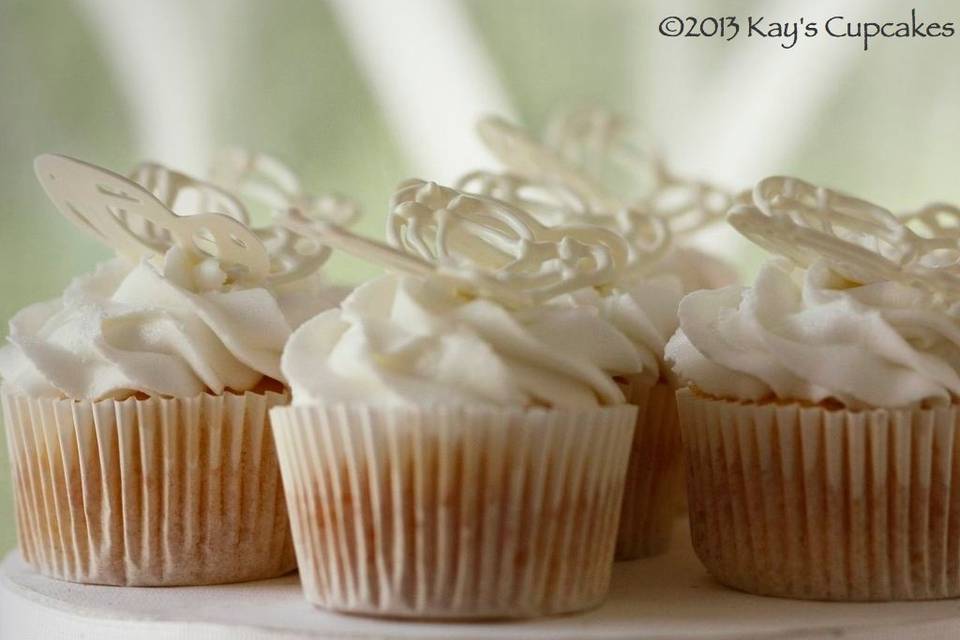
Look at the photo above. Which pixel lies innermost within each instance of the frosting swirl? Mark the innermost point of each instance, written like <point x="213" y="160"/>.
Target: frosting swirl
<point x="403" y="340"/>
<point x="812" y="335"/>
<point x="644" y="310"/>
<point x="695" y="269"/>
<point x="170" y="330"/>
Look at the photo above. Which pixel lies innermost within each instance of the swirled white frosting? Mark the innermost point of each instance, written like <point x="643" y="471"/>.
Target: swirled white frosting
<point x="174" y="330"/>
<point x="642" y="309"/>
<point x="810" y="335"/>
<point x="400" y="340"/>
<point x="696" y="269"/>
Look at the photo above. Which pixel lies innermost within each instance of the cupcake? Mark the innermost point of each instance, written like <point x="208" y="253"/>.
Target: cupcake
<point x="590" y="169"/>
<point x="136" y="404"/>
<point x="454" y="447"/>
<point x="644" y="310"/>
<point x="820" y="418"/>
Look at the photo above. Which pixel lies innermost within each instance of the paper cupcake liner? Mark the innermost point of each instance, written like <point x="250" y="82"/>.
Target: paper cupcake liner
<point x="151" y="492"/>
<point x="804" y="502"/>
<point x="653" y="492"/>
<point x="454" y="512"/>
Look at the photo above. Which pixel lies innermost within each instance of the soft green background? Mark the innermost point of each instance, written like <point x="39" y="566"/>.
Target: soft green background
<point x="887" y="128"/>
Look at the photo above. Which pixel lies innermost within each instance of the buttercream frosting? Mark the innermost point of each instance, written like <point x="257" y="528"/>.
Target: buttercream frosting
<point x="644" y="310"/>
<point x="172" y="328"/>
<point x="405" y="340"/>
<point x="813" y="335"/>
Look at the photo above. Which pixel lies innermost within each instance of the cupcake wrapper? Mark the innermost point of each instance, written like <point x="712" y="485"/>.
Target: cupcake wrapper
<point x="805" y="502"/>
<point x="653" y="493"/>
<point x="453" y="512"/>
<point x="148" y="492"/>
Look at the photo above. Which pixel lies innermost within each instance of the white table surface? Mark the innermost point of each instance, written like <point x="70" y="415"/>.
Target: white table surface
<point x="667" y="597"/>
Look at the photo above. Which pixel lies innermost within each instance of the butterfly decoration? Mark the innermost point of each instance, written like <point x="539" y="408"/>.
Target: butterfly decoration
<point x="937" y="222"/>
<point x="522" y="154"/>
<point x="462" y="280"/>
<point x="270" y="182"/>
<point x="106" y="204"/>
<point x="136" y="217"/>
<point x="860" y="241"/>
<point x="478" y="247"/>
<point x="583" y="147"/>
<point x="180" y="192"/>
<point x="648" y="236"/>
<point x="551" y="203"/>
<point x="449" y="227"/>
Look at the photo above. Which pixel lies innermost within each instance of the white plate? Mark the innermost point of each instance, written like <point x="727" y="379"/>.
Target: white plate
<point x="667" y="597"/>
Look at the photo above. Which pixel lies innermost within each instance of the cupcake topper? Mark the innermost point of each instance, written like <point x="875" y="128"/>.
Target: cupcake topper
<point x="451" y="228"/>
<point x="139" y="224"/>
<point x="938" y="224"/>
<point x="264" y="180"/>
<point x="180" y="192"/>
<point x="104" y="204"/>
<point x="526" y="156"/>
<point x="551" y="203"/>
<point x="471" y="282"/>
<point x="268" y="181"/>
<point x="580" y="144"/>
<point x="861" y="241"/>
<point x="648" y="236"/>
<point x="478" y="246"/>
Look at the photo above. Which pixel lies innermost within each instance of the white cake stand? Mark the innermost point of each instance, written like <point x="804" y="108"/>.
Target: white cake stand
<point x="663" y="598"/>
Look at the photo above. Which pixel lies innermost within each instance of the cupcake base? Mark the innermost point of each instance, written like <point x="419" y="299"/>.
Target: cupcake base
<point x="653" y="492"/>
<point x="154" y="492"/>
<point x="462" y="513"/>
<point x="806" y="502"/>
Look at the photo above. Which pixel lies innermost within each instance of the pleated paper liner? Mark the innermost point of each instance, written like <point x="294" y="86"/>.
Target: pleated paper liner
<point x="806" y="502"/>
<point x="454" y="512"/>
<point x="153" y="492"/>
<point x="653" y="492"/>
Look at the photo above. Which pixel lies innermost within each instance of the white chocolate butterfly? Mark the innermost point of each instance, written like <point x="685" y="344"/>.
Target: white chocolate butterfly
<point x="937" y="221"/>
<point x="182" y="194"/>
<point x="104" y="204"/>
<point x="266" y="181"/>
<point x="584" y="146"/>
<point x="270" y="182"/>
<point x="550" y="203"/>
<point x="861" y="241"/>
<point x="472" y="283"/>
<point x="522" y="154"/>
<point x="648" y="236"/>
<point x="137" y="223"/>
<point x="454" y="229"/>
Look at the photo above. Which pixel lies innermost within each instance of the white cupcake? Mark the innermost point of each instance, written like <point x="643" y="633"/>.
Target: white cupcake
<point x="821" y="419"/>
<point x="136" y="405"/>
<point x="589" y="169"/>
<point x="449" y="458"/>
<point x="456" y="449"/>
<point x="644" y="310"/>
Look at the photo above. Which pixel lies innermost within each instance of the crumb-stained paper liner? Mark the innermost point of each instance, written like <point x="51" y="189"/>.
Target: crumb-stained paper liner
<point x="653" y="492"/>
<point x="153" y="492"/>
<point x="454" y="512"/>
<point x="805" y="502"/>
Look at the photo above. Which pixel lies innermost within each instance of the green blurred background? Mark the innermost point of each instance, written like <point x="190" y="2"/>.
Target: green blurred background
<point x="360" y="94"/>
